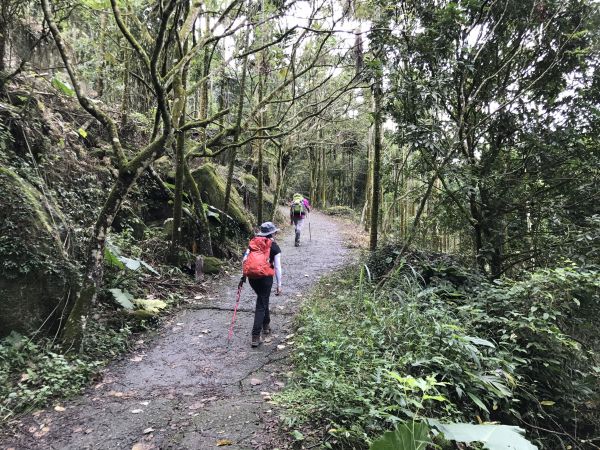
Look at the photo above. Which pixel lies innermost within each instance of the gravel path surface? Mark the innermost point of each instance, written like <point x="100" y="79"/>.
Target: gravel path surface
<point x="186" y="389"/>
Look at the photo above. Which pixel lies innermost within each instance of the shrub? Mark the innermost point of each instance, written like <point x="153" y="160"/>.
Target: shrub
<point x="450" y="348"/>
<point x="34" y="371"/>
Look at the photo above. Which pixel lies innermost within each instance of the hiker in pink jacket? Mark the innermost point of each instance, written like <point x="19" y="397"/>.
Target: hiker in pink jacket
<point x="298" y="211"/>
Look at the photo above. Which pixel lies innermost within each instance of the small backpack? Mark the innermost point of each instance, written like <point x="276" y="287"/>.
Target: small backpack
<point x="297" y="206"/>
<point x="257" y="262"/>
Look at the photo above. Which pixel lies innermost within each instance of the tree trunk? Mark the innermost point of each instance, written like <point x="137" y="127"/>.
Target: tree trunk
<point x="313" y="168"/>
<point x="179" y="118"/>
<point x="205" y="244"/>
<point x="101" y="75"/>
<point x="178" y="197"/>
<point x="477" y="233"/>
<point x="351" y="181"/>
<point x="278" y="181"/>
<point x="203" y="108"/>
<point x="365" y="218"/>
<point x="125" y="101"/>
<point x="233" y="151"/>
<point x="3" y="40"/>
<point x="74" y="330"/>
<point x="377" y="94"/>
<point x="260" y="143"/>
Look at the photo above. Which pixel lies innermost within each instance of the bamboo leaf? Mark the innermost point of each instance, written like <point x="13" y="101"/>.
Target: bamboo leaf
<point x="63" y="87"/>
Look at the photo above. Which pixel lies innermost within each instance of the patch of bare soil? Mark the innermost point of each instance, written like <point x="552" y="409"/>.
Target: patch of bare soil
<point x="187" y="388"/>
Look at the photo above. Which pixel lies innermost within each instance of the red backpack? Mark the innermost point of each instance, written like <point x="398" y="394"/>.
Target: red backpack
<point x="257" y="262"/>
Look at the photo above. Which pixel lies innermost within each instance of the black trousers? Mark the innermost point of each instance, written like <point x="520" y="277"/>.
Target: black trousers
<point x="262" y="287"/>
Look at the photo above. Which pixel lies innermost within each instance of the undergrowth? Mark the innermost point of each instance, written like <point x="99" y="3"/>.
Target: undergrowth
<point x="33" y="371"/>
<point x="435" y="341"/>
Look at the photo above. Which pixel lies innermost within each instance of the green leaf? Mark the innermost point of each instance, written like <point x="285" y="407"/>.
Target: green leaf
<point x="131" y="264"/>
<point x="439" y="398"/>
<point x="123" y="298"/>
<point x="297" y="435"/>
<point x="63" y="87"/>
<point x="149" y="267"/>
<point x="112" y="260"/>
<point x="151" y="305"/>
<point x="479" y="341"/>
<point x="82" y="133"/>
<point x="478" y="401"/>
<point x="408" y="436"/>
<point x="493" y="437"/>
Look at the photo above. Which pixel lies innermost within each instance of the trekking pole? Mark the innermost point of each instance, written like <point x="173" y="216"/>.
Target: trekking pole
<point x="237" y="303"/>
<point x="309" y="233"/>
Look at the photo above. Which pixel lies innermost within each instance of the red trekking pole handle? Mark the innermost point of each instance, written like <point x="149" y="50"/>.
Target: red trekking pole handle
<point x="237" y="302"/>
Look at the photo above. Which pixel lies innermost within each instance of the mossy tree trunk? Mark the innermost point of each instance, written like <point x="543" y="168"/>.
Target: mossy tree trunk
<point x="205" y="244"/>
<point x="314" y="171"/>
<point x="236" y="138"/>
<point x="179" y="117"/>
<point x="278" y="180"/>
<point x="366" y="212"/>
<point x="323" y="183"/>
<point x="179" y="113"/>
<point x="375" y="193"/>
<point x="260" y="142"/>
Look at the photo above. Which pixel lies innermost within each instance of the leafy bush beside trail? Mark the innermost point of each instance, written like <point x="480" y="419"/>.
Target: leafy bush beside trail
<point x="420" y="345"/>
<point x="34" y="371"/>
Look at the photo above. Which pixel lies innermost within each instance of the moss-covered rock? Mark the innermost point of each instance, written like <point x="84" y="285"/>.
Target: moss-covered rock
<point x="165" y="168"/>
<point x="212" y="185"/>
<point x="35" y="271"/>
<point x="247" y="185"/>
<point x="211" y="265"/>
<point x="168" y="228"/>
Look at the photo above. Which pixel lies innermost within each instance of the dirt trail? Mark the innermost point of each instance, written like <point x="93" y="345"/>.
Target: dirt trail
<point x="185" y="389"/>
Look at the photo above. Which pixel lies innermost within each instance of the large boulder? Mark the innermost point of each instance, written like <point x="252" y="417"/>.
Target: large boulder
<point x="35" y="272"/>
<point x="211" y="265"/>
<point x="211" y="184"/>
<point x="247" y="185"/>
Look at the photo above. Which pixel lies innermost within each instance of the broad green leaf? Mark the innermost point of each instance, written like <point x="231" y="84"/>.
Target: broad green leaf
<point x="63" y="87"/>
<point x="408" y="436"/>
<point x="112" y="260"/>
<point x="123" y="298"/>
<point x="493" y="437"/>
<point x="150" y="305"/>
<point x="82" y="133"/>
<point x="131" y="264"/>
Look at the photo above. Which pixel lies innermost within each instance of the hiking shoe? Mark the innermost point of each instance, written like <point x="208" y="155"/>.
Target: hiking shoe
<point x="256" y="341"/>
<point x="296" y="244"/>
<point x="266" y="330"/>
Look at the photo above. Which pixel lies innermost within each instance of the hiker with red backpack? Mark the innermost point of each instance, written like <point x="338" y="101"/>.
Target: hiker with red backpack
<point x="299" y="209"/>
<point x="262" y="261"/>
